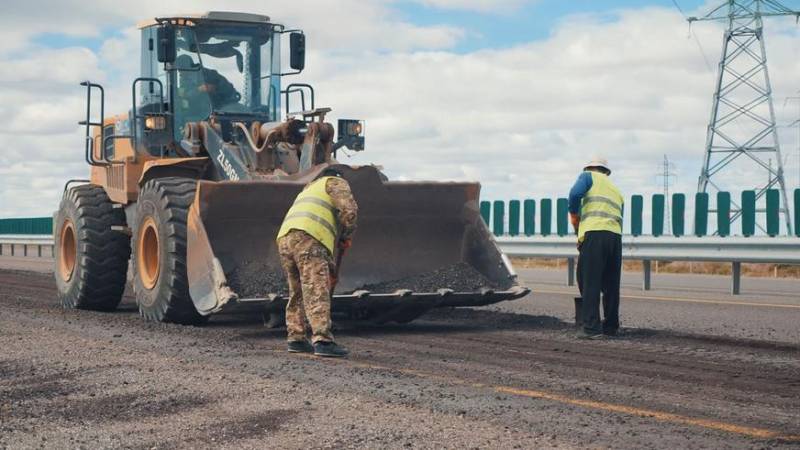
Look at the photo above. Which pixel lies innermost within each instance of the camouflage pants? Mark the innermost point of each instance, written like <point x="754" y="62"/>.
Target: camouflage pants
<point x="307" y="265"/>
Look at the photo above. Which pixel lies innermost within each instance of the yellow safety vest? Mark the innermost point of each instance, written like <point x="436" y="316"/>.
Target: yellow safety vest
<point x="601" y="209"/>
<point x="313" y="212"/>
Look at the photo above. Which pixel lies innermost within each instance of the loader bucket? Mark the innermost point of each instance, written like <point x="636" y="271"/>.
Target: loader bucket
<point x="418" y="245"/>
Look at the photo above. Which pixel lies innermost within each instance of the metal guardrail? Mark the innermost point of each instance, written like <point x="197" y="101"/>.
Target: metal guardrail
<point x="734" y="250"/>
<point x="26" y="245"/>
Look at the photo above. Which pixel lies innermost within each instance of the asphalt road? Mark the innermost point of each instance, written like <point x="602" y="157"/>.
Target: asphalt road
<point x="507" y="376"/>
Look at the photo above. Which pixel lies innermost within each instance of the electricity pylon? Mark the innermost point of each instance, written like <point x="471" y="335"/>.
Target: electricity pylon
<point x="742" y="126"/>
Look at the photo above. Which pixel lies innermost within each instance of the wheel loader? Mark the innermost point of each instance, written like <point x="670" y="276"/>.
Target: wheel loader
<point x="190" y="186"/>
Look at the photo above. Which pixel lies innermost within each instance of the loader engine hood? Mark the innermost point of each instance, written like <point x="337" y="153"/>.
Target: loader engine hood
<point x="415" y="242"/>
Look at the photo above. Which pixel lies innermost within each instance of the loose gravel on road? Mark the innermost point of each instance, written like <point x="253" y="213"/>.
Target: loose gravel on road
<point x="468" y="378"/>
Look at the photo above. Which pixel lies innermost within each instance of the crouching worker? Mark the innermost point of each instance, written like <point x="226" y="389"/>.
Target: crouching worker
<point x="322" y="217"/>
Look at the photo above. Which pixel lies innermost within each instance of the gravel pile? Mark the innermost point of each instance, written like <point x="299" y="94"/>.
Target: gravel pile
<point x="256" y="279"/>
<point x="460" y="277"/>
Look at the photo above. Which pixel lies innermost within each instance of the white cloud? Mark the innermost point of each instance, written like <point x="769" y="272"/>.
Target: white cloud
<point x="521" y="120"/>
<point x="487" y="6"/>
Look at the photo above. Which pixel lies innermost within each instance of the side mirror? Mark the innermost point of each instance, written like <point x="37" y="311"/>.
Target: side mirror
<point x="167" y="52"/>
<point x="297" y="51"/>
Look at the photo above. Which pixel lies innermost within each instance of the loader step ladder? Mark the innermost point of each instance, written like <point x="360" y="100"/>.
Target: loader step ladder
<point x="88" y="123"/>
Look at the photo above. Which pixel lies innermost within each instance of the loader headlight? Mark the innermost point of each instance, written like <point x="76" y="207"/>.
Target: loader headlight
<point x="351" y="134"/>
<point x="350" y="127"/>
<point x="155" y="122"/>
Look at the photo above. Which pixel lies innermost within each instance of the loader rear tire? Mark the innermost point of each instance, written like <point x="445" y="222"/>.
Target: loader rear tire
<point x="91" y="259"/>
<point x="159" y="248"/>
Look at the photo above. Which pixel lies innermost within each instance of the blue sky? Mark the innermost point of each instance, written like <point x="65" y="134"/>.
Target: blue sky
<point x="532" y="21"/>
<point x="529" y="22"/>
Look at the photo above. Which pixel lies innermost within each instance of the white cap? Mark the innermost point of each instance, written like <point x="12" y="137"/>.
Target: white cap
<point x="598" y="161"/>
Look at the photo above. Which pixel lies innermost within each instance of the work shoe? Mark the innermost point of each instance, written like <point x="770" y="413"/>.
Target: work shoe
<point x="329" y="349"/>
<point x="583" y="334"/>
<point x="300" y="347"/>
<point x="611" y="333"/>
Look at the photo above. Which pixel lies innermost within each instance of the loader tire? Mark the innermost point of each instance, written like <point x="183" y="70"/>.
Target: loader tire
<point x="91" y="259"/>
<point x="159" y="248"/>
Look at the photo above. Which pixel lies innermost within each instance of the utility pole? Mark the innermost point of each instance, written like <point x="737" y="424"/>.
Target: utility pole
<point x="742" y="120"/>
<point x="667" y="173"/>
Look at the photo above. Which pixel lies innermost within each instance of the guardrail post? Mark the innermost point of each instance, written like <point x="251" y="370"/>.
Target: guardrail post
<point x="499" y="214"/>
<point x="637" y="209"/>
<point x="646" y="274"/>
<point x="25" y="250"/>
<point x="513" y="217"/>
<point x="1" y="249"/>
<point x="748" y="213"/>
<point x="773" y="209"/>
<point x="570" y="271"/>
<point x="678" y="214"/>
<point x="529" y="221"/>
<point x="701" y="214"/>
<point x="39" y="248"/>
<point x="546" y="216"/>
<point x="724" y="214"/>
<point x="736" y="273"/>
<point x="658" y="215"/>
<point x="486" y="211"/>
<point x="12" y="249"/>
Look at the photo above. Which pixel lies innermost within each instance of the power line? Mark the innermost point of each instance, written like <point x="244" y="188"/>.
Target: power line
<point x="674" y="2"/>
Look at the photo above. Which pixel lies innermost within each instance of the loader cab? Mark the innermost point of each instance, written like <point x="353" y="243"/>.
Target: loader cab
<point x="218" y="63"/>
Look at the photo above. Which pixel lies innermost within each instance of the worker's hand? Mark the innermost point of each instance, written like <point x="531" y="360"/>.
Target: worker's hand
<point x="575" y="220"/>
<point x="345" y="243"/>
<point x="207" y="87"/>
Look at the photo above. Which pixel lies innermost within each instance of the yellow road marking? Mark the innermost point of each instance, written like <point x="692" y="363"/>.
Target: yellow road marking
<point x="761" y="433"/>
<point x="681" y="300"/>
<point x="753" y="432"/>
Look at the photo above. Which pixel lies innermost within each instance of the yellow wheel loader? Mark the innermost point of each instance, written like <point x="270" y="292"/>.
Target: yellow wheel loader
<point x="191" y="185"/>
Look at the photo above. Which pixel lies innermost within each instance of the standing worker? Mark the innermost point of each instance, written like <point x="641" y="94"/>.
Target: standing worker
<point x="595" y="210"/>
<point x="306" y="243"/>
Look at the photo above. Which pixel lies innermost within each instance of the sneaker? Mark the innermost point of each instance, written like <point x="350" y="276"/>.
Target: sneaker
<point x="611" y="333"/>
<point x="329" y="349"/>
<point x="583" y="334"/>
<point x="300" y="347"/>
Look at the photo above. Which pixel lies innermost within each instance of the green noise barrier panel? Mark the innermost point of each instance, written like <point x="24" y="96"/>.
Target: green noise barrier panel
<point x="797" y="212"/>
<point x="701" y="214"/>
<point x="773" y="212"/>
<point x="513" y="217"/>
<point x="499" y="215"/>
<point x="637" y="210"/>
<point x="486" y="211"/>
<point x="546" y="216"/>
<point x="748" y="213"/>
<point x="657" y="226"/>
<point x="33" y="226"/>
<point x="562" y="216"/>
<point x="678" y="214"/>
<point x="529" y="211"/>
<point x="724" y="213"/>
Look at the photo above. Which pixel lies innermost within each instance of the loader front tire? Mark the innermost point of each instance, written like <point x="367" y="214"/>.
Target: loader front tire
<point x="91" y="259"/>
<point x="159" y="248"/>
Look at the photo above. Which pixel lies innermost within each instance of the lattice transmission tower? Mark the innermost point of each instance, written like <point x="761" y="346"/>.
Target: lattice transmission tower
<point x="742" y="134"/>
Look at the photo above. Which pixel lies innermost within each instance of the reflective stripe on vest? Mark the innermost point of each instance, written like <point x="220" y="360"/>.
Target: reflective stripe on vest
<point x="601" y="209"/>
<point x="313" y="212"/>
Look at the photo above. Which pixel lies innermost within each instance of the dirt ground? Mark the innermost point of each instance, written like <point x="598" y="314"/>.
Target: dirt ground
<point x="470" y="378"/>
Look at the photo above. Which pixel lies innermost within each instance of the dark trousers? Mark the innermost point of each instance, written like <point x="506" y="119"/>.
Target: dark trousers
<point x="599" y="271"/>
